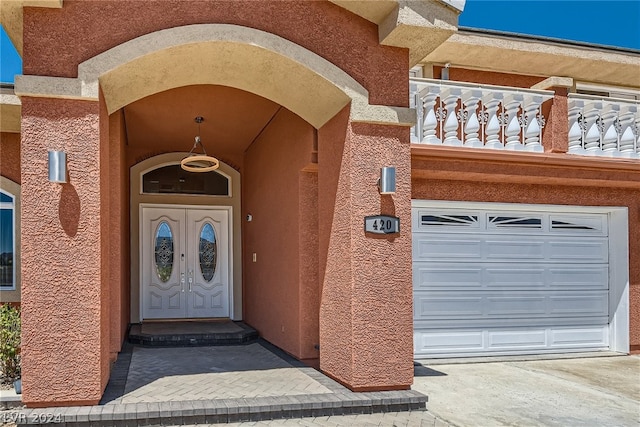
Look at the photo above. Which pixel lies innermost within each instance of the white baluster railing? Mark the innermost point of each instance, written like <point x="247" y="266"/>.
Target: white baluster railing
<point x="604" y="126"/>
<point x="477" y="116"/>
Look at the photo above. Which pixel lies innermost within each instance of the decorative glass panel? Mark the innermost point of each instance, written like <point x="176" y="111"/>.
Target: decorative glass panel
<point x="456" y="220"/>
<point x="208" y="251"/>
<point x="164" y="251"/>
<point x="173" y="180"/>
<point x="563" y="225"/>
<point x="6" y="248"/>
<point x="514" y="222"/>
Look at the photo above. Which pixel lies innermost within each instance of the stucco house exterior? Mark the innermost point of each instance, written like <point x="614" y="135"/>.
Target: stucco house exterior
<point x="517" y="185"/>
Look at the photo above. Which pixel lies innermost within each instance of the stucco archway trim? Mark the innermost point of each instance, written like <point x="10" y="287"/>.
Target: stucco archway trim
<point x="221" y="54"/>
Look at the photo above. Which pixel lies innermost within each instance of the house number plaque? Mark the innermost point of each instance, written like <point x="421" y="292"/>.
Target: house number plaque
<point x="381" y="224"/>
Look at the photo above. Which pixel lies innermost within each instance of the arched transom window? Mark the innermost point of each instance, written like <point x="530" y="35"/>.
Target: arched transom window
<point x="171" y="179"/>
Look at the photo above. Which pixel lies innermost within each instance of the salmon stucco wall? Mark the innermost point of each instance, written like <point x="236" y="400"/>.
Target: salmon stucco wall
<point x="63" y="337"/>
<point x="10" y="156"/>
<point x="115" y="194"/>
<point x="488" y="77"/>
<point x="81" y="30"/>
<point x="271" y="195"/>
<point x="366" y="309"/>
<point x="548" y="193"/>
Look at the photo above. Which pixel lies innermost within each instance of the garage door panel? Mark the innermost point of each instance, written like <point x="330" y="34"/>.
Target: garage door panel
<point x="514" y="304"/>
<point x="456" y="249"/>
<point x="496" y="248"/>
<point x="448" y="341"/>
<point x="445" y="306"/>
<point x="579" y="250"/>
<point x="517" y="338"/>
<point x="479" y="342"/>
<point x="518" y="250"/>
<point x="448" y="276"/>
<point x="595" y="336"/>
<point x="497" y="323"/>
<point x="583" y="277"/>
<point x="592" y="304"/>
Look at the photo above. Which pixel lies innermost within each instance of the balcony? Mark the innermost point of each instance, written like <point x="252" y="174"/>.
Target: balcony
<point x="458" y="114"/>
<point x="604" y="126"/>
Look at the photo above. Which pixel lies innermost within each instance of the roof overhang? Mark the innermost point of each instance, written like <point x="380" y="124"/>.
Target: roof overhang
<point x="525" y="55"/>
<point x="10" y="111"/>
<point x="419" y="26"/>
<point x="11" y="17"/>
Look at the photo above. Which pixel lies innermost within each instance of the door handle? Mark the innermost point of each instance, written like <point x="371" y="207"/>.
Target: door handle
<point x="190" y="279"/>
<point x="182" y="282"/>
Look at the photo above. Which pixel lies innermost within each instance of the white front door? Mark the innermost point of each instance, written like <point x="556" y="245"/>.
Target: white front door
<point x="185" y="262"/>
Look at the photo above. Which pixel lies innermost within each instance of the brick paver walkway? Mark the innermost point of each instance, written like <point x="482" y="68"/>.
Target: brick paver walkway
<point x="204" y="373"/>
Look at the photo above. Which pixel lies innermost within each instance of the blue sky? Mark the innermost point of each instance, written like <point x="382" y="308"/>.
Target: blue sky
<point x="607" y="22"/>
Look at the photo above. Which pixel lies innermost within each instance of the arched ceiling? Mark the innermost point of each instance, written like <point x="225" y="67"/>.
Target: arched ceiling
<point x="164" y="122"/>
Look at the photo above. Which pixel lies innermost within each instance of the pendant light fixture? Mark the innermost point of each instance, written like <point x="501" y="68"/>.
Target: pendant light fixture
<point x="199" y="162"/>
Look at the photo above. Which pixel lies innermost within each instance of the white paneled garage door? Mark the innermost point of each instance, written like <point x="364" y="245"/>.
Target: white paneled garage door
<point x="496" y="281"/>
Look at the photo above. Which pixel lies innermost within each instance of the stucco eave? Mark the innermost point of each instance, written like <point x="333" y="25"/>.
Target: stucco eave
<point x="10" y="113"/>
<point x="419" y="26"/>
<point x="11" y="17"/>
<point x="536" y="57"/>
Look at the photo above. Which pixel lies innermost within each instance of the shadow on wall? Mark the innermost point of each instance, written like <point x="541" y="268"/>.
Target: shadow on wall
<point x="69" y="209"/>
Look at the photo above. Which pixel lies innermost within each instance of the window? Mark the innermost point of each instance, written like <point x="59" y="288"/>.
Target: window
<point x="7" y="241"/>
<point x="607" y="91"/>
<point x="173" y="180"/>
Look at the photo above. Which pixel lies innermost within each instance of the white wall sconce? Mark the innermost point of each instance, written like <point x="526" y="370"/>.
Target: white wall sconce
<point x="58" y="166"/>
<point x="387" y="180"/>
<point x="444" y="74"/>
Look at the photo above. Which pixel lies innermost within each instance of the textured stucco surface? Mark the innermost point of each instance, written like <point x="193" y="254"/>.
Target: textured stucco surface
<point x="81" y="30"/>
<point x="308" y="256"/>
<point x="366" y="310"/>
<point x="514" y="190"/>
<point x="63" y="337"/>
<point x="555" y="136"/>
<point x="271" y="194"/>
<point x="488" y="77"/>
<point x="10" y="156"/>
<point x="114" y="188"/>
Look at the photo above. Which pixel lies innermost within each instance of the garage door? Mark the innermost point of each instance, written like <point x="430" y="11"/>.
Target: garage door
<point x="509" y="281"/>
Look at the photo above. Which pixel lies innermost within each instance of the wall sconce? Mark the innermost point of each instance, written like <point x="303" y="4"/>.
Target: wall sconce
<point x="387" y="180"/>
<point x="58" y="166"/>
<point x="444" y="74"/>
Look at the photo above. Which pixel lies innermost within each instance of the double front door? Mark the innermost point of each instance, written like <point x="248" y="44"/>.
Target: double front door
<point x="185" y="262"/>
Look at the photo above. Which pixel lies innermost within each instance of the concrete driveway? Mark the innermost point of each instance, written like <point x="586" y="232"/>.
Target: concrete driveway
<point x="595" y="391"/>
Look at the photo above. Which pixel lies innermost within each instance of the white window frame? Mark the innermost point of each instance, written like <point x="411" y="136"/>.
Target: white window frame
<point x="610" y="91"/>
<point x="11" y="205"/>
<point x="173" y="163"/>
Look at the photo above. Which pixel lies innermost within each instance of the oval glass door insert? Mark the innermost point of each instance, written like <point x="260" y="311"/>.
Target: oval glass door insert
<point x="208" y="249"/>
<point x="164" y="251"/>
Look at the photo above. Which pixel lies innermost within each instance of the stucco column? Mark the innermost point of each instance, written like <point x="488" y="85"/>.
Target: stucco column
<point x="366" y="326"/>
<point x="556" y="132"/>
<point x="65" y="336"/>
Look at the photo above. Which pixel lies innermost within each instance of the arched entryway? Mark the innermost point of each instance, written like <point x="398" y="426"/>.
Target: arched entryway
<point x="308" y="171"/>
